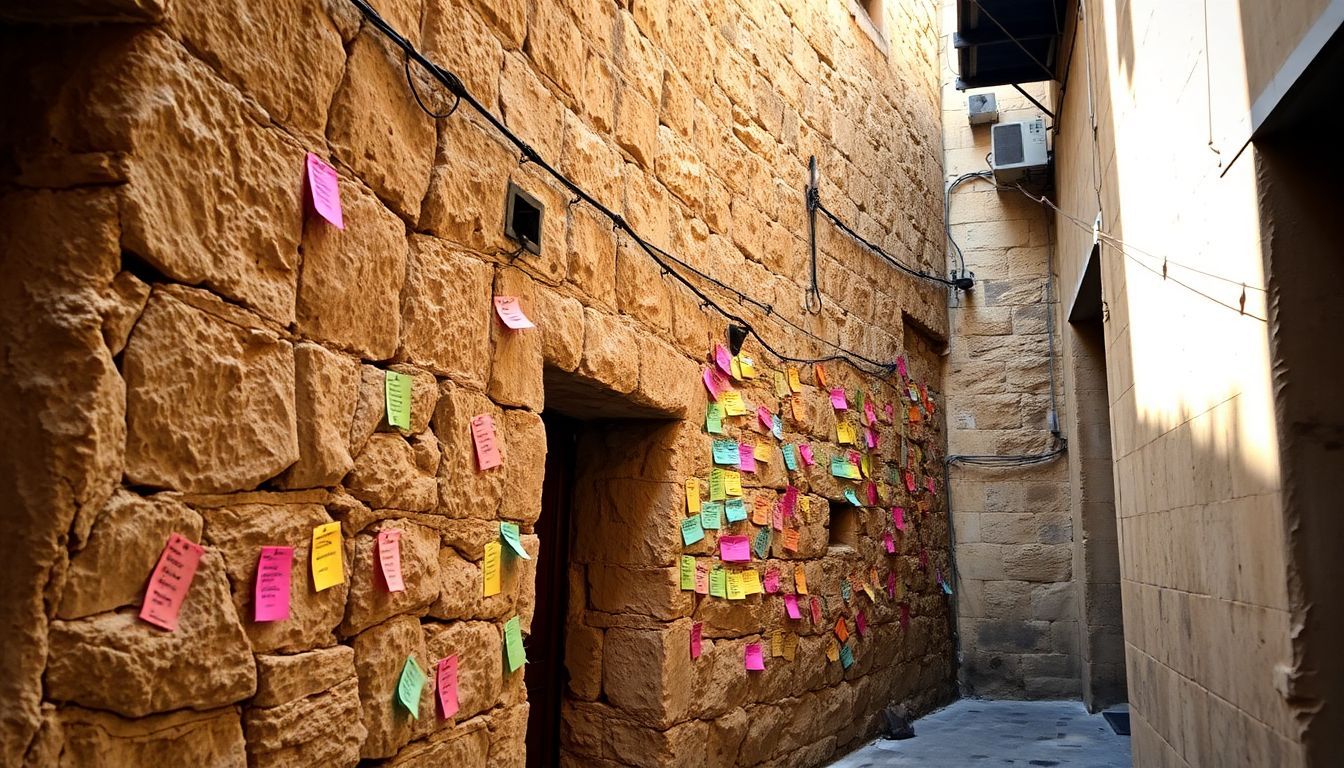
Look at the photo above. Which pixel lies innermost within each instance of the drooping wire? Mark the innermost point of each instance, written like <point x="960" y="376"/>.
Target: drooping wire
<point x="843" y="227"/>
<point x="528" y="154"/>
<point x="410" y="83"/>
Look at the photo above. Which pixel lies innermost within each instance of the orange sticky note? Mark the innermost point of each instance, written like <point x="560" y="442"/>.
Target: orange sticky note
<point x="490" y="568"/>
<point x="171" y="579"/>
<point x="389" y="558"/>
<point x="841" y="630"/>
<point x="821" y="376"/>
<point x="800" y="581"/>
<point x="760" y="511"/>
<point x="487" y="449"/>
<point x="791" y="539"/>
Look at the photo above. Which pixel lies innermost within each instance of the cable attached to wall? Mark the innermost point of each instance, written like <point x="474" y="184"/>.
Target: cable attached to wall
<point x="661" y="257"/>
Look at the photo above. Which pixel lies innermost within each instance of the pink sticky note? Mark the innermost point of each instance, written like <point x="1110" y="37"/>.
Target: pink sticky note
<point x="325" y="188"/>
<point x="754" y="658"/>
<point x="871" y="489"/>
<point x="928" y="483"/>
<point x="869" y="413"/>
<point x="838" y="401"/>
<point x="273" y="583"/>
<point x="889" y="543"/>
<point x="715" y="383"/>
<point x="910" y="481"/>
<point x="766" y="418"/>
<point x="777" y="518"/>
<point x="389" y="558"/>
<point x="170" y="581"/>
<point x="701" y="580"/>
<point x="723" y="359"/>
<point x="900" y="366"/>
<point x="511" y="313"/>
<point x="734" y="549"/>
<point x="697" y="632"/>
<point x="446" y="683"/>
<point x="898" y="517"/>
<point x="790" y="501"/>
<point x="889" y="411"/>
<point x="870" y="437"/>
<point x="487" y="450"/>
<point x="791" y="607"/>
<point x="805" y="451"/>
<point x="861" y="622"/>
<point x="772" y="581"/>
<point x="746" y="457"/>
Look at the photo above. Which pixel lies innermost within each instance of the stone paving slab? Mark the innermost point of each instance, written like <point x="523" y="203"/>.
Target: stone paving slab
<point x="973" y="732"/>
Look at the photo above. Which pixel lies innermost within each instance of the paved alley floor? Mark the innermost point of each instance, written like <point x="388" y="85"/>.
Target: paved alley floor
<point x="973" y="733"/>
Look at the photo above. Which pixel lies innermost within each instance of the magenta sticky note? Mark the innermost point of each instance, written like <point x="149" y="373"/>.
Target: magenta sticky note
<point x="324" y="186"/>
<point x="754" y="658"/>
<point x="928" y="483"/>
<point x="910" y="481"/>
<point x="170" y="581"/>
<point x="766" y="418"/>
<point x="900" y="366"/>
<point x="790" y="501"/>
<point x="715" y="383"/>
<point x="389" y="559"/>
<point x="697" y="632"/>
<point x="273" y="584"/>
<point x="889" y="543"/>
<point x="816" y="611"/>
<point x="898" y="517"/>
<point x="446" y="683"/>
<point x="871" y="489"/>
<point x="870" y="437"/>
<point x="869" y="413"/>
<point x="805" y="451"/>
<point x="511" y="313"/>
<point x="734" y="549"/>
<point x="861" y="622"/>
<point x="791" y="607"/>
<point x="772" y="581"/>
<point x="746" y="457"/>
<point x="723" y="359"/>
<point x="838" y="401"/>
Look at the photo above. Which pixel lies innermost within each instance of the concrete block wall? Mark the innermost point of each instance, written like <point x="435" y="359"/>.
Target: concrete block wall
<point x="188" y="352"/>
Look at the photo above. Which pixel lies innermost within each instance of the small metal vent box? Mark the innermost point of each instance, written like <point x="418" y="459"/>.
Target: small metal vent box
<point x="982" y="108"/>
<point x="1019" y="150"/>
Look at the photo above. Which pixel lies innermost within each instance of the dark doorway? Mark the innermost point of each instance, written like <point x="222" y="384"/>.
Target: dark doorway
<point x="546" y="677"/>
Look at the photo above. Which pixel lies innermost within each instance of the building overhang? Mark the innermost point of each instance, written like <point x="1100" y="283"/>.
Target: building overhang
<point x="1002" y="42"/>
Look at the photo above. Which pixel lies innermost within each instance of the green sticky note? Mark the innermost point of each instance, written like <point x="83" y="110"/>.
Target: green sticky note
<point x="839" y="466"/>
<point x="514" y="656"/>
<point x="691" y="530"/>
<point x="762" y="544"/>
<point x="718" y="583"/>
<point x="790" y="458"/>
<point x="410" y="685"/>
<point x="509" y="532"/>
<point x="846" y="656"/>
<point x="851" y="498"/>
<point x="397" y="393"/>
<point x="736" y="510"/>
<point x="711" y="515"/>
<point x="714" y="419"/>
<point x="687" y="572"/>
<point x="726" y="452"/>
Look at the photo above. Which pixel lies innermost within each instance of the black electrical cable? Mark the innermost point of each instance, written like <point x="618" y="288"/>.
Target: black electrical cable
<point x="410" y="83"/>
<point x="843" y="227"/>
<point x="528" y="154"/>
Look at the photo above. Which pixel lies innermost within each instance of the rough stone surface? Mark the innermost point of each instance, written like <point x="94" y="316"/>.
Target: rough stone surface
<point x="380" y="654"/>
<point x="390" y="473"/>
<point x="446" y="312"/>
<point x="369" y="600"/>
<point x="326" y="385"/>
<point x="91" y="738"/>
<point x="285" y="678"/>
<point x="321" y="729"/>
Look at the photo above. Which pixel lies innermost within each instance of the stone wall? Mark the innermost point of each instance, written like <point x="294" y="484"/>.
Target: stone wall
<point x="188" y="352"/>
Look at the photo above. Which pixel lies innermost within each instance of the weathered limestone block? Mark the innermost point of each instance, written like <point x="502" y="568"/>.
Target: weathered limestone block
<point x="610" y="352"/>
<point x="464" y="490"/>
<point x="648" y="674"/>
<point x="465" y="746"/>
<point x="285" y="678"/>
<point x="209" y="396"/>
<point x="456" y="39"/>
<point x="592" y="258"/>
<point x="515" y="369"/>
<point x="767" y="735"/>
<point x="371" y="405"/>
<point x="380" y="654"/>
<point x="127" y="538"/>
<point x="560" y="322"/>
<point x="648" y="747"/>
<point x="531" y="109"/>
<point x="116" y="662"/>
<point x="461" y="596"/>
<point x="734" y="618"/>
<point x="628" y="522"/>
<point x="555" y="45"/>
<point x="325" y="388"/>
<point x="480" y="667"/>
<point x="464" y="201"/>
<point x="669" y="382"/>
<point x="229" y="224"/>
<point x="239" y="532"/>
<point x="377" y="130"/>
<point x="524" y="466"/>
<point x="321" y="729"/>
<point x="92" y="739"/>
<point x="591" y="160"/>
<point x="370" y="602"/>
<point x="653" y="592"/>
<point x="508" y="728"/>
<point x="726" y="733"/>
<point x="351" y="279"/>
<point x="583" y="660"/>
<point x="126" y="297"/>
<point x="446" y="313"/>
<point x="391" y="474"/>
<point x="293" y="76"/>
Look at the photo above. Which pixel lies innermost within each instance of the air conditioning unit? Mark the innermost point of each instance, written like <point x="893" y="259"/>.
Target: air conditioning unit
<point x="982" y="108"/>
<point x="1019" y="150"/>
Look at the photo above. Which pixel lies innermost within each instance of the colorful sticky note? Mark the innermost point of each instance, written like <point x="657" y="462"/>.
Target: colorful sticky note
<point x="490" y="568"/>
<point x="777" y="427"/>
<point x="910" y="481"/>
<point x="697" y="633"/>
<point x="790" y="645"/>
<point x="692" y="495"/>
<point x="790" y="459"/>
<point x="409" y="686"/>
<point x="328" y="558"/>
<point x="324" y="186"/>
<point x="701" y="579"/>
<point x="898" y="517"/>
<point x="928" y="484"/>
<point x="711" y="515"/>
<point x="846" y="656"/>
<point x="764" y="416"/>
<point x="870" y="438"/>
<point x="514" y="655"/>
<point x="723" y="359"/>
<point x="754" y="660"/>
<point x="839" y="466"/>
<point x="751" y="582"/>
<point x="845" y="590"/>
<point x="734" y="549"/>
<point x="800" y="581"/>
<point x="511" y="312"/>
<point x="509" y="533"/>
<point x="487" y="448"/>
<point x="820" y="373"/>
<point x="733" y="404"/>
<point x="851" y="497"/>
<point x="841" y="629"/>
<point x="718" y="582"/>
<point x="833" y="650"/>
<point x="274" y="570"/>
<point x="772" y="580"/>
<point x="389" y="559"/>
<point x="796" y="407"/>
<point x="692" y="530"/>
<point x="714" y="419"/>
<point x="947" y="588"/>
<point x="715" y="383"/>
<point x="844" y="433"/>
<point x="816" y="611"/>
<point x="746" y="457"/>
<point x="781" y="386"/>
<point x="717" y="487"/>
<point x="790" y="539"/>
<point x="762" y="452"/>
<point x="891" y="583"/>
<point x="732" y="483"/>
<point x="805" y="451"/>
<point x="838" y="400"/>
<point x="397" y="396"/>
<point x="791" y="607"/>
<point x="725" y="452"/>
<point x="776" y="644"/>
<point x="735" y="368"/>
<point x="170" y="581"/>
<point x="761" y="546"/>
<point x="795" y="385"/>
<point x="446" y="684"/>
<point x="687" y="573"/>
<point x="861" y="622"/>
<point x="760" y="511"/>
<point x="748" y="367"/>
<point x="735" y="510"/>
<point x="889" y="542"/>
<point x="735" y="591"/>
<point x="900" y="366"/>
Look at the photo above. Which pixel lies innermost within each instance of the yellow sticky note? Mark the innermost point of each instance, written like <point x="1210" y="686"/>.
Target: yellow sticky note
<point x="777" y="643"/>
<point x="717" y="485"/>
<point x="781" y="386"/>
<point x="867" y="464"/>
<point x="736" y="368"/>
<point x="328" y="556"/>
<point x="732" y="483"/>
<point x="732" y="403"/>
<point x="735" y="591"/>
<point x="806" y="504"/>
<point x="490" y="570"/>
<point x="790" y="646"/>
<point x="748" y="368"/>
<point x="795" y="384"/>
<point x="751" y="583"/>
<point x="832" y="651"/>
<point x="693" y="495"/>
<point x="800" y="581"/>
<point x="762" y="452"/>
<point x="844" y="433"/>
